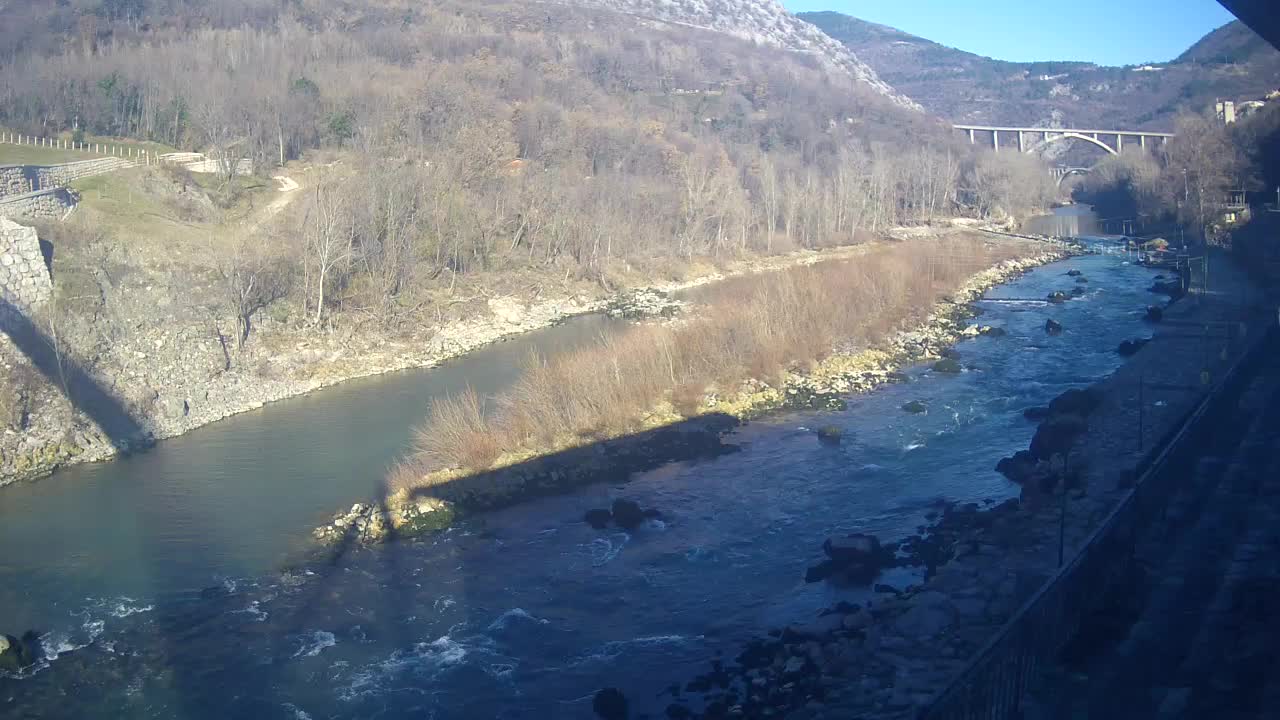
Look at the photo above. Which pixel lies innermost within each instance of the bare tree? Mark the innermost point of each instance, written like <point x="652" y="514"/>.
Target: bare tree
<point x="329" y="232"/>
<point x="251" y="279"/>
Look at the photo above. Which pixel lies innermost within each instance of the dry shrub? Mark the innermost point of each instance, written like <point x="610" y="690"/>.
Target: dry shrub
<point x="458" y="433"/>
<point x="758" y="326"/>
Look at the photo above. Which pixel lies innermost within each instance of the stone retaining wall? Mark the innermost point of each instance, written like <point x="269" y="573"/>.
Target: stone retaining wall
<point x="24" y="278"/>
<point x="51" y="204"/>
<point x="25" y="179"/>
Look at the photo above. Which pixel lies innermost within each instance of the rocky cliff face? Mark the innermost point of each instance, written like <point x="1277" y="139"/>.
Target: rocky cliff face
<point x="765" y="22"/>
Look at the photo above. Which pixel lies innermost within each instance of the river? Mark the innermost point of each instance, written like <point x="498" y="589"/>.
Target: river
<point x="157" y="579"/>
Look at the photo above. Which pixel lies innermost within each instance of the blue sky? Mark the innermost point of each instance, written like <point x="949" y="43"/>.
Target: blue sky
<point x="1108" y="32"/>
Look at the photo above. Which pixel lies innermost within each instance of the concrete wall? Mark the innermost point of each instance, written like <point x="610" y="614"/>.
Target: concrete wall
<point x="24" y="278"/>
<point x="51" y="204"/>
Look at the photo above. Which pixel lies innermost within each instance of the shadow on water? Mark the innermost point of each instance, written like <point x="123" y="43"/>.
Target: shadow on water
<point x="389" y="607"/>
<point x="348" y="632"/>
<point x="196" y="657"/>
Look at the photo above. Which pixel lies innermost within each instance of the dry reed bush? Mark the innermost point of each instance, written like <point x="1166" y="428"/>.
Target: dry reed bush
<point x="757" y="327"/>
<point x="458" y="433"/>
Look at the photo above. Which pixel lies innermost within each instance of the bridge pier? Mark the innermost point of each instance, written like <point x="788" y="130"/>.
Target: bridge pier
<point x="1119" y="144"/>
<point x="1021" y="145"/>
<point x="970" y="136"/>
<point x="995" y="140"/>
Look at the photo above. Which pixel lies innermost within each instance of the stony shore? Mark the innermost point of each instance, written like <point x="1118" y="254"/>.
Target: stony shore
<point x="892" y="657"/>
<point x="452" y="493"/>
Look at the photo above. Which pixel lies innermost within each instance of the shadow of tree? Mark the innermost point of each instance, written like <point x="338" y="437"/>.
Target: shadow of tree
<point x="81" y="389"/>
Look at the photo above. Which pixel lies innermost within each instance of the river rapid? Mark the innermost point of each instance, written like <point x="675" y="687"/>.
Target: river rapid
<point x="156" y="580"/>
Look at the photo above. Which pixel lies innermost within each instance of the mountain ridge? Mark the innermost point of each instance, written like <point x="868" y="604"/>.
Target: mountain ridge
<point x="1230" y="62"/>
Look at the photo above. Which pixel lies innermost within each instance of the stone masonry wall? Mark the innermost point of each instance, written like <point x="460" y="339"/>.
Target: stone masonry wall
<point x="16" y="180"/>
<point x="24" y="179"/>
<point x="24" y="278"/>
<point x="50" y="204"/>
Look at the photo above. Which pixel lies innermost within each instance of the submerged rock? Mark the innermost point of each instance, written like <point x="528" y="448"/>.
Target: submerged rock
<point x="1077" y="291"/>
<point x="1130" y="347"/>
<point x="1036" y="414"/>
<point x="610" y="704"/>
<point x="1154" y="314"/>
<point x="1082" y="279"/>
<point x="915" y="407"/>
<point x="1052" y="327"/>
<point x="1074" y="273"/>
<point x="830" y="434"/>
<point x="947" y="365"/>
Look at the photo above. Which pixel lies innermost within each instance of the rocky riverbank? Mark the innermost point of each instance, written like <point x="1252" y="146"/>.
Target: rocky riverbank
<point x="459" y="493"/>
<point x="176" y="377"/>
<point x="891" y="657"/>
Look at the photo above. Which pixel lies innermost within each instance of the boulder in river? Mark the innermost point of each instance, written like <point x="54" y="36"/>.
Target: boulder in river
<point x="1082" y="279"/>
<point x="1076" y="401"/>
<point x="1018" y="467"/>
<point x="1052" y="327"/>
<point x="947" y="365"/>
<point x="16" y="654"/>
<point x="915" y="407"/>
<point x="1154" y="314"/>
<point x="610" y="704"/>
<point x="830" y="434"/>
<point x="856" y="558"/>
<point x="1057" y="297"/>
<point x="1077" y="291"/>
<point x="950" y="353"/>
<point x="994" y="331"/>
<point x="598" y="518"/>
<point x="1074" y="273"/>
<point x="1130" y="347"/>
<point x="1056" y="435"/>
<point x="627" y="514"/>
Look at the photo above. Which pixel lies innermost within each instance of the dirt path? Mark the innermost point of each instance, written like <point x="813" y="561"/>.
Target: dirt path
<point x="288" y="193"/>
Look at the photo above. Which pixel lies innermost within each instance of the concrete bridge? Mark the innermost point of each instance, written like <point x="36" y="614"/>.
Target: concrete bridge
<point x="1032" y="140"/>
<point x="1062" y="173"/>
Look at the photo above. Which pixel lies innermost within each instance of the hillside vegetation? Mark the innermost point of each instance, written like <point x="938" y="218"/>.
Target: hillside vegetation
<point x="1231" y="62"/>
<point x="451" y="155"/>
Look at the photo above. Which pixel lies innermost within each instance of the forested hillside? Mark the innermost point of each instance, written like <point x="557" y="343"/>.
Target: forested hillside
<point x="1230" y="63"/>
<point x="508" y="132"/>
